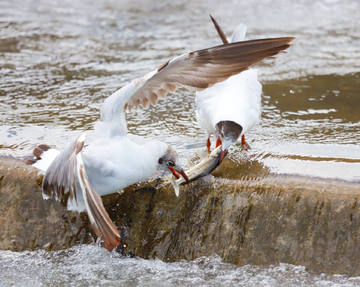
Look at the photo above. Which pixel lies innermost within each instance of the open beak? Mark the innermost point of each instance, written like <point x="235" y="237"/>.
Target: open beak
<point x="177" y="174"/>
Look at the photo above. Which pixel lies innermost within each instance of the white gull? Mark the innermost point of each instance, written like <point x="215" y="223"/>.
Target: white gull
<point x="231" y="108"/>
<point x="113" y="162"/>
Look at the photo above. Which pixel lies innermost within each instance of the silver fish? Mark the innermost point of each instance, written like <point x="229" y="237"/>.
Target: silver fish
<point x="205" y="167"/>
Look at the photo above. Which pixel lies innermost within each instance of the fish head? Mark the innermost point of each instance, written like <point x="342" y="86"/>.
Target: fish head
<point x="169" y="162"/>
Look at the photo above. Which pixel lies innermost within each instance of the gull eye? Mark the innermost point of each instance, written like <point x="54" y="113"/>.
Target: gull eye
<point x="170" y="163"/>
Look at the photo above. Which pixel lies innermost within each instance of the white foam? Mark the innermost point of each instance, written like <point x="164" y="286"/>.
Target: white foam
<point x="93" y="266"/>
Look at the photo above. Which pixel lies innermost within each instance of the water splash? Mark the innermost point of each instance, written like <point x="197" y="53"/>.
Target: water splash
<point x="92" y="266"/>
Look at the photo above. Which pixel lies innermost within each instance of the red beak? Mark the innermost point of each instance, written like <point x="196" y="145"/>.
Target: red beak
<point x="177" y="174"/>
<point x="222" y="155"/>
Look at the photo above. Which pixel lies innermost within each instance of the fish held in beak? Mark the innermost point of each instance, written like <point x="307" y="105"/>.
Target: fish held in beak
<point x="203" y="168"/>
<point x="176" y="171"/>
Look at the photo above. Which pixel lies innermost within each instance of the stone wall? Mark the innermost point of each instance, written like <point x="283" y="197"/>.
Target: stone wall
<point x="261" y="219"/>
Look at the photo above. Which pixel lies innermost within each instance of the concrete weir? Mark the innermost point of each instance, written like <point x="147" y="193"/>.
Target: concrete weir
<point x="258" y="219"/>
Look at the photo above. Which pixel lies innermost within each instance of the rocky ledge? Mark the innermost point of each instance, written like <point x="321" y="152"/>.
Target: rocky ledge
<point x="245" y="215"/>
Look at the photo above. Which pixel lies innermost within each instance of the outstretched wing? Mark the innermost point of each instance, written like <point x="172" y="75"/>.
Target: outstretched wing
<point x="61" y="177"/>
<point x="195" y="71"/>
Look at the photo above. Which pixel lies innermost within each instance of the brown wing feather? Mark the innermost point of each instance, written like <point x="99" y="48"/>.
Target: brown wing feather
<point x="61" y="177"/>
<point x="37" y="152"/>
<point x="204" y="68"/>
<point x="99" y="218"/>
<point x="219" y="30"/>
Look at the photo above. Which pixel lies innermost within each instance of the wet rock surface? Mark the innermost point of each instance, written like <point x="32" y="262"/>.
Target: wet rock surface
<point x="27" y="221"/>
<point x="262" y="219"/>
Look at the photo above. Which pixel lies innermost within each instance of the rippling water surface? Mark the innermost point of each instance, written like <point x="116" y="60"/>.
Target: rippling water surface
<point x="59" y="61"/>
<point x="92" y="266"/>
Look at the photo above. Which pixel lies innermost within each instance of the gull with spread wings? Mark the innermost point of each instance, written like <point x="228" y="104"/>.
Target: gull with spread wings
<point x="113" y="162"/>
<point x="231" y="108"/>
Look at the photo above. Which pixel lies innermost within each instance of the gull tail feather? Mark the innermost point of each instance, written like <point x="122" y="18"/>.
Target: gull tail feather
<point x="239" y="33"/>
<point x="43" y="156"/>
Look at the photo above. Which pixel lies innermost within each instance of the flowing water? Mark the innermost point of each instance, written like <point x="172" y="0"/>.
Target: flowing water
<point x="90" y="266"/>
<point x="59" y="61"/>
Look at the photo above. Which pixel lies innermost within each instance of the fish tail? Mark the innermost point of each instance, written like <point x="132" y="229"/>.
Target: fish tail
<point x="174" y="184"/>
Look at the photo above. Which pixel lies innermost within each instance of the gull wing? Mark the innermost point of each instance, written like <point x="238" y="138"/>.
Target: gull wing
<point x="238" y="34"/>
<point x="61" y="177"/>
<point x="220" y="31"/>
<point x="194" y="71"/>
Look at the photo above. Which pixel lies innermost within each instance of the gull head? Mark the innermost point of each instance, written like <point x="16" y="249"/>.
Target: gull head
<point x="169" y="162"/>
<point x="226" y="133"/>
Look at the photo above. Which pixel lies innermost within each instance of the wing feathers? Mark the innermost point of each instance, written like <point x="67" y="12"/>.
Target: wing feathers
<point x="99" y="218"/>
<point x="61" y="177"/>
<point x="167" y="87"/>
<point x="161" y="93"/>
<point x="201" y="69"/>
<point x="219" y="30"/>
<point x="145" y="102"/>
<point x="194" y="71"/>
<point x="153" y="98"/>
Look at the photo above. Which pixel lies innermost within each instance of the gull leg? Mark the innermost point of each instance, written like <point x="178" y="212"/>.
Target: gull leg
<point x="208" y="144"/>
<point x="243" y="142"/>
<point x="218" y="142"/>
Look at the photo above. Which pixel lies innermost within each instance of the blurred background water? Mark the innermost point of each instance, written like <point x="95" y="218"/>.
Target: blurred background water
<point x="59" y="60"/>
